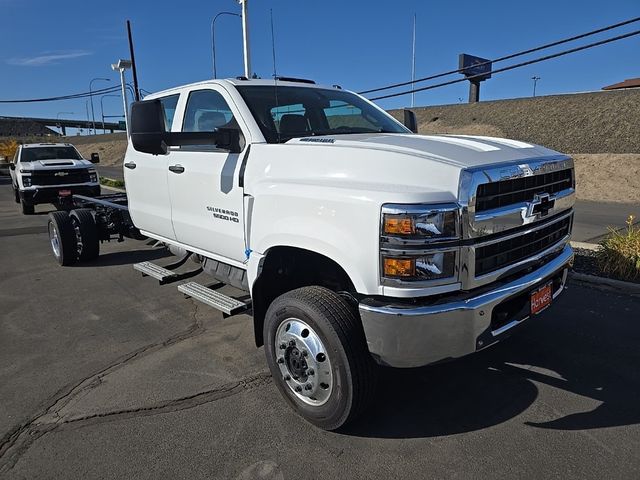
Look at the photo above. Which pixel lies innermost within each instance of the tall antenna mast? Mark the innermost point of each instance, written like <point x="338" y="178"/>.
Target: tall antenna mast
<point x="245" y="37"/>
<point x="413" y="63"/>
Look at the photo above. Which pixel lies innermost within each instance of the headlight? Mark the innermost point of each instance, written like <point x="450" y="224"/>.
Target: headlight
<point x="418" y="243"/>
<point x="26" y="181"/>
<point x="93" y="176"/>
<point x="420" y="222"/>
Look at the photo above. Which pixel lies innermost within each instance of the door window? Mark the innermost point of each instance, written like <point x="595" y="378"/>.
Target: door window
<point x="169" y="107"/>
<point x="207" y="110"/>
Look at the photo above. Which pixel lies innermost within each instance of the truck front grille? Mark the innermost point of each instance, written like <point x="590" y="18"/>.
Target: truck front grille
<point x="495" y="256"/>
<point x="523" y="189"/>
<point x="59" y="177"/>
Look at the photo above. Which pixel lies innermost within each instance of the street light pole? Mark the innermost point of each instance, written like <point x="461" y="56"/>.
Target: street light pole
<point x="245" y="37"/>
<point x="102" y="109"/>
<point x="213" y="39"/>
<point x="121" y="66"/>
<point x="86" y="106"/>
<point x="535" y="81"/>
<point x="93" y="118"/>
<point x="62" y="129"/>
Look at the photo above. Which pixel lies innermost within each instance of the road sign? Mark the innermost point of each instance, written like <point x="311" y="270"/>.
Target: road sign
<point x="472" y="66"/>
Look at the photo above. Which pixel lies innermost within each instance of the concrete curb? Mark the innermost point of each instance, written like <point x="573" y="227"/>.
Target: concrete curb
<point x="584" y="245"/>
<point x="603" y="282"/>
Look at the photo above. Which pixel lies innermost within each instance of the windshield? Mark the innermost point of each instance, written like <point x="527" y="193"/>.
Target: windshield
<point x="305" y="112"/>
<point x="49" y="153"/>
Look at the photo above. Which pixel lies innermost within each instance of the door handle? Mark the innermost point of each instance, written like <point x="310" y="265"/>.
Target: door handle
<point x="176" y="168"/>
<point x="130" y="165"/>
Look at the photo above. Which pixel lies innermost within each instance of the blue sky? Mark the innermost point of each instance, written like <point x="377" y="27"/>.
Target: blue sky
<point x="56" y="48"/>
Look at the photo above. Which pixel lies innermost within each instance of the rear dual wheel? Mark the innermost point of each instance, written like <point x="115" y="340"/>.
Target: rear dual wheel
<point x="318" y="357"/>
<point x="73" y="236"/>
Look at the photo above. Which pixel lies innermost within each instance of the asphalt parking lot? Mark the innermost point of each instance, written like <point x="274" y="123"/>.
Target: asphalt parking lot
<point x="104" y="374"/>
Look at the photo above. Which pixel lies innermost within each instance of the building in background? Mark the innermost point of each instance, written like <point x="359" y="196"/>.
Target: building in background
<point x="629" y="83"/>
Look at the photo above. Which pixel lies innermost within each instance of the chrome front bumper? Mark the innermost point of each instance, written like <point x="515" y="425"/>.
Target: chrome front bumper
<point x="407" y="336"/>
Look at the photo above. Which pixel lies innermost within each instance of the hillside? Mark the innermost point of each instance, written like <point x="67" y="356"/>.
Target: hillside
<point x="597" y="122"/>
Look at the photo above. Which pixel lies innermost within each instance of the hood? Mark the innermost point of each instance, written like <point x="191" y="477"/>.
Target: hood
<point x="56" y="164"/>
<point x="464" y="151"/>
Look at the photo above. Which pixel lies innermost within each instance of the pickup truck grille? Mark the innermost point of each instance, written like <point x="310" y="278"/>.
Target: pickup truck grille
<point x="516" y="190"/>
<point x="59" y="177"/>
<point x="495" y="256"/>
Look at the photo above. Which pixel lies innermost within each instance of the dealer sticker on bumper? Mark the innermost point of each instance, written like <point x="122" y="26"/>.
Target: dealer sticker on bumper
<point x="541" y="298"/>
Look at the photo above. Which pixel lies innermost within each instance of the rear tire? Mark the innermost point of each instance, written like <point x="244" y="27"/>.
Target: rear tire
<point x="62" y="237"/>
<point x="27" y="209"/>
<point x="317" y="353"/>
<point x="86" y="232"/>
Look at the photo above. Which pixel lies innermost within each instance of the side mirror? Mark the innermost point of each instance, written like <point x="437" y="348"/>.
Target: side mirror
<point x="95" y="158"/>
<point x="12" y="166"/>
<point x="148" y="134"/>
<point x="410" y="120"/>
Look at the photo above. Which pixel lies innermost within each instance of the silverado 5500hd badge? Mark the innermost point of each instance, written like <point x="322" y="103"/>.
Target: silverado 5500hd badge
<point x="222" y="214"/>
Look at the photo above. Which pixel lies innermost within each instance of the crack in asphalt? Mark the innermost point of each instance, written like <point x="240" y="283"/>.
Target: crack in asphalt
<point x="17" y="441"/>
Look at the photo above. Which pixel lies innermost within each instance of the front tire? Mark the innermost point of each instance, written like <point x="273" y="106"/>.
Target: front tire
<point x="16" y="194"/>
<point x="317" y="353"/>
<point x="86" y="231"/>
<point x="62" y="238"/>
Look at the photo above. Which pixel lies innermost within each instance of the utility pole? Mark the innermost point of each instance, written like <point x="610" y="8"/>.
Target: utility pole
<point x="413" y="63"/>
<point x="535" y="81"/>
<point x="245" y="37"/>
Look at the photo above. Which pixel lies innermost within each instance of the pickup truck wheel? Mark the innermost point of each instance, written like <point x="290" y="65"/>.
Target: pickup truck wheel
<point x="62" y="238"/>
<point x="27" y="209"/>
<point x="86" y="232"/>
<point x="16" y="194"/>
<point x="317" y="354"/>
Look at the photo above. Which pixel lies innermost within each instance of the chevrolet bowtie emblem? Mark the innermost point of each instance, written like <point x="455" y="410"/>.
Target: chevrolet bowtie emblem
<point x="540" y="205"/>
<point x="60" y="174"/>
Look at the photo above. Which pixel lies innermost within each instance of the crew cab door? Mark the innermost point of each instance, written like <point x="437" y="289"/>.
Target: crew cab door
<point x="145" y="176"/>
<point x="207" y="203"/>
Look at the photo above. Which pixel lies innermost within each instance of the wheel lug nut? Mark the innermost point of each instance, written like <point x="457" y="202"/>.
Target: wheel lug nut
<point x="298" y="389"/>
<point x="283" y="346"/>
<point x="308" y="386"/>
<point x="287" y="378"/>
<point x="310" y="371"/>
<point x="304" y="353"/>
<point x="292" y="343"/>
<point x="281" y="360"/>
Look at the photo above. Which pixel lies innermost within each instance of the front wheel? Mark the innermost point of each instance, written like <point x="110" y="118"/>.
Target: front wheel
<point x="317" y="354"/>
<point x="16" y="194"/>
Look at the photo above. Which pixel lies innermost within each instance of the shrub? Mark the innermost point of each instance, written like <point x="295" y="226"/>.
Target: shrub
<point x="110" y="182"/>
<point x="619" y="252"/>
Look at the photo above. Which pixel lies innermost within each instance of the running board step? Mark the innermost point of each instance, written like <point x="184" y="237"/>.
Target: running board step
<point x="215" y="299"/>
<point x="161" y="274"/>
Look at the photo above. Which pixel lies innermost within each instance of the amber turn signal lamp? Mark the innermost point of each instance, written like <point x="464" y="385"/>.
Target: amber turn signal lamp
<point x="399" y="267"/>
<point x="398" y="225"/>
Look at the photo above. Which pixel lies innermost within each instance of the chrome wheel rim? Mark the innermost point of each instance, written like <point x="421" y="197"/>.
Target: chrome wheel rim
<point x="303" y="361"/>
<point x="54" y="238"/>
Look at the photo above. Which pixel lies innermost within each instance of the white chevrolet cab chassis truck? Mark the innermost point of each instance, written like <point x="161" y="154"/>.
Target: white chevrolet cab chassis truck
<point x="358" y="241"/>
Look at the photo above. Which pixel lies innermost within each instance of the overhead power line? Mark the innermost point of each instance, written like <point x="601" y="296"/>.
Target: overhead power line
<point x="65" y="97"/>
<point x="511" y="67"/>
<point x="508" y="57"/>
